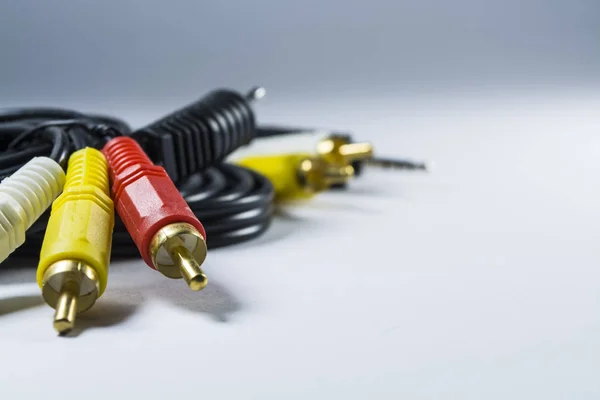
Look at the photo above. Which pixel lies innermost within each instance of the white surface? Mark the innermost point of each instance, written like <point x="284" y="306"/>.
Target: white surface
<point x="479" y="281"/>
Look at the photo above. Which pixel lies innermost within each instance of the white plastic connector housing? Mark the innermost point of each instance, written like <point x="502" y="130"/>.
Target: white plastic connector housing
<point x="24" y="196"/>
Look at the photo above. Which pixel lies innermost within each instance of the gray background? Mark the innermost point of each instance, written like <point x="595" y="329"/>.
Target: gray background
<point x="136" y="52"/>
<point x="477" y="281"/>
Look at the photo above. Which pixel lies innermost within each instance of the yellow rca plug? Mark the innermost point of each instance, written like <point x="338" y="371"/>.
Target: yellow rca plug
<point x="301" y="175"/>
<point x="337" y="160"/>
<point x="298" y="176"/>
<point x="73" y="268"/>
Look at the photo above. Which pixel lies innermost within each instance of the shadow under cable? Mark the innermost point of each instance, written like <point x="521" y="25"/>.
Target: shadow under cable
<point x="13" y="304"/>
<point x="18" y="291"/>
<point x="104" y="314"/>
<point x="117" y="305"/>
<point x="215" y="300"/>
<point x="19" y="272"/>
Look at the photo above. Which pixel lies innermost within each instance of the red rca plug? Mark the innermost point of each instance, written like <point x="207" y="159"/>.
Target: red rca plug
<point x="165" y="230"/>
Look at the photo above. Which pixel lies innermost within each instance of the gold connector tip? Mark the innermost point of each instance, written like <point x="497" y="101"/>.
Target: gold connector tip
<point x="316" y="174"/>
<point x="198" y="282"/>
<point x="63" y="326"/>
<point x="66" y="307"/>
<point x="188" y="266"/>
<point x="337" y="150"/>
<point x="177" y="251"/>
<point x="70" y="287"/>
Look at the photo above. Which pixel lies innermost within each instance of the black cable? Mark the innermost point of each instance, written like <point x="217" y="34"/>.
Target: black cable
<point x="270" y="131"/>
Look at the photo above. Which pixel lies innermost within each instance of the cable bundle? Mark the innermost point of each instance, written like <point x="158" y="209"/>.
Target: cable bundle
<point x="174" y="195"/>
<point x="234" y="203"/>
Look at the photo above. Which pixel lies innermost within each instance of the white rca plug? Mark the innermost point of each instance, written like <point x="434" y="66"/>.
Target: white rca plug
<point x="24" y="196"/>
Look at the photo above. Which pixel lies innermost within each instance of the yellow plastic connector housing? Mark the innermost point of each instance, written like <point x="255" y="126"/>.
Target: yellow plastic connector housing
<point x="283" y="172"/>
<point x="24" y="196"/>
<point x="299" y="175"/>
<point x="75" y="255"/>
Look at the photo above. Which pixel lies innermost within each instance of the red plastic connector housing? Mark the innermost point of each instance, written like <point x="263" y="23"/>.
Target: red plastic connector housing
<point x="144" y="195"/>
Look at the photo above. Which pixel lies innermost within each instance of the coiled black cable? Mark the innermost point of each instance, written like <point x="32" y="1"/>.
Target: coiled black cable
<point x="233" y="203"/>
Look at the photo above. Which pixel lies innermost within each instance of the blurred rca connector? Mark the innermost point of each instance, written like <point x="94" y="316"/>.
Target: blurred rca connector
<point x="166" y="232"/>
<point x="24" y="196"/>
<point x="336" y="161"/>
<point x="75" y="255"/>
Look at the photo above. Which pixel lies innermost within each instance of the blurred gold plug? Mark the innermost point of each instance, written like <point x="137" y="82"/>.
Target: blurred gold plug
<point x="299" y="175"/>
<point x="337" y="160"/>
<point x="338" y="150"/>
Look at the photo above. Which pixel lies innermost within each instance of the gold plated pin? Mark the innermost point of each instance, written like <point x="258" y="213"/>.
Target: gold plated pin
<point x="338" y="150"/>
<point x="66" y="307"/>
<point x="188" y="266"/>
<point x="177" y="251"/>
<point x="316" y="175"/>
<point x="70" y="287"/>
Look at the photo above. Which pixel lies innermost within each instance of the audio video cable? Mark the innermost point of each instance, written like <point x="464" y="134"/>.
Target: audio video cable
<point x="174" y="194"/>
<point x="234" y="203"/>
